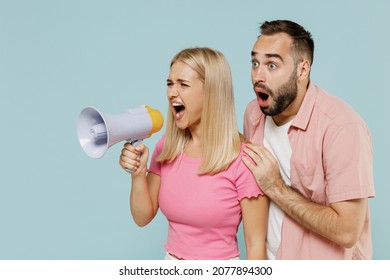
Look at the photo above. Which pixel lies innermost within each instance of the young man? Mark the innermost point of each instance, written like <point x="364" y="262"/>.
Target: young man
<point x="312" y="153"/>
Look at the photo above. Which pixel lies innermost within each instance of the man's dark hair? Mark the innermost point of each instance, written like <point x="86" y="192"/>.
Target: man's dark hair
<point x="303" y="44"/>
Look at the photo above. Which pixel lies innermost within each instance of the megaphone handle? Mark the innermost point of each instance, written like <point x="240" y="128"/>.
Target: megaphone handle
<point x="134" y="144"/>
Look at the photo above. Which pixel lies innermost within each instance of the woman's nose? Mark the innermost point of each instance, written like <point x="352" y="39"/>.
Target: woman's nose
<point x="172" y="91"/>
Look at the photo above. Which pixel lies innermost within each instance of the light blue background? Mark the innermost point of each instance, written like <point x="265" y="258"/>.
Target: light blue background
<point x="57" y="57"/>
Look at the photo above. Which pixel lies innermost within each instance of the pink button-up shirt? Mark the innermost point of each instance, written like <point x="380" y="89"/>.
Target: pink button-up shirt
<point x="331" y="161"/>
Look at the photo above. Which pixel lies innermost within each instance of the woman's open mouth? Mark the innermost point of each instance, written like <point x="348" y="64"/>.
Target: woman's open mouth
<point x="179" y="110"/>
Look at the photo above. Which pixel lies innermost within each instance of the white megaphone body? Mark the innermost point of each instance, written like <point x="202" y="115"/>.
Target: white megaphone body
<point x="97" y="131"/>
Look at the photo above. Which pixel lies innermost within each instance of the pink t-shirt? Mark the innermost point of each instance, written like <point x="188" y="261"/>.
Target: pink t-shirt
<point x="331" y="161"/>
<point x="203" y="211"/>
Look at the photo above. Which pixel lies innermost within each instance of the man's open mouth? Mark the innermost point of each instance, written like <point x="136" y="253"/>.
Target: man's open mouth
<point x="263" y="96"/>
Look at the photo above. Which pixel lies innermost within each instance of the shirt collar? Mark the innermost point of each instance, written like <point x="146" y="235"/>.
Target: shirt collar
<point x="256" y="115"/>
<point x="304" y="113"/>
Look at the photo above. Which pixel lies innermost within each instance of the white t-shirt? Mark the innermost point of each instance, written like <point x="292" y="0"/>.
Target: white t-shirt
<point x="277" y="142"/>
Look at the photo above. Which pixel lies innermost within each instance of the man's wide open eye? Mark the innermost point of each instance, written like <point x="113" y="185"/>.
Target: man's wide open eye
<point x="255" y="64"/>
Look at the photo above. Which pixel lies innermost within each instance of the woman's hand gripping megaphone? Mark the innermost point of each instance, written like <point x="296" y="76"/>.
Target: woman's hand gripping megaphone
<point x="134" y="158"/>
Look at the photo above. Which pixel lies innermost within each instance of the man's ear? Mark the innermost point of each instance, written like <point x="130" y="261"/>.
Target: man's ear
<point x="304" y="69"/>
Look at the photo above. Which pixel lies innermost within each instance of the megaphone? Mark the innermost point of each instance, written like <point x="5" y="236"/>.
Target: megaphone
<point x="97" y="131"/>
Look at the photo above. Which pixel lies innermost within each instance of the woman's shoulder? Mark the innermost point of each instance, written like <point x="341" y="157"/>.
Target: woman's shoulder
<point x="160" y="143"/>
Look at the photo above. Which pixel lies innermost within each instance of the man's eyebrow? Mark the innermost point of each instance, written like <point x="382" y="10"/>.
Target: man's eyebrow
<point x="269" y="55"/>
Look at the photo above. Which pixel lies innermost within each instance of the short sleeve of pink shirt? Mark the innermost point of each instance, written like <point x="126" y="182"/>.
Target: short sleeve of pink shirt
<point x="203" y="211"/>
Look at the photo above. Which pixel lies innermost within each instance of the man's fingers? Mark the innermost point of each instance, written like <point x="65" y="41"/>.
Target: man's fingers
<point x="248" y="163"/>
<point x="254" y="152"/>
<point x="262" y="152"/>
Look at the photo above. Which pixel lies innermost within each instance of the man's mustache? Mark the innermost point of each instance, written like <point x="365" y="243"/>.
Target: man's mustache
<point x="264" y="87"/>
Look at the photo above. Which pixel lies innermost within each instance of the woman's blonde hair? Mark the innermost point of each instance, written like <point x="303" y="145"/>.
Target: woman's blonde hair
<point x="221" y="138"/>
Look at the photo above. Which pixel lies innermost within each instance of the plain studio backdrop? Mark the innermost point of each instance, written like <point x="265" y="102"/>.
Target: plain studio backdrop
<point x="56" y="57"/>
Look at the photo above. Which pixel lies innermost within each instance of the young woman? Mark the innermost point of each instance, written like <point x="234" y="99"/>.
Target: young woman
<point x="196" y="176"/>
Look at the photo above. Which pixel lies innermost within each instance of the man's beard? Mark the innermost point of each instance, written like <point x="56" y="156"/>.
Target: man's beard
<point x="282" y="97"/>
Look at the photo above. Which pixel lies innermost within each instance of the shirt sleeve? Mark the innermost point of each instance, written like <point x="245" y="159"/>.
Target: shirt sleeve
<point x="348" y="162"/>
<point x="155" y="166"/>
<point x="245" y="181"/>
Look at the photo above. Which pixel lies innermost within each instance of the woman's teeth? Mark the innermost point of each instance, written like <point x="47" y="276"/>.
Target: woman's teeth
<point x="178" y="107"/>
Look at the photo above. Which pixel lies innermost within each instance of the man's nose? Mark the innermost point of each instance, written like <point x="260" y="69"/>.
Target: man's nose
<point x="258" y="75"/>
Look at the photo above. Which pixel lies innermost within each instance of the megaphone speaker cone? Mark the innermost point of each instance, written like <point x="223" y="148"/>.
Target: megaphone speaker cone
<point x="92" y="132"/>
